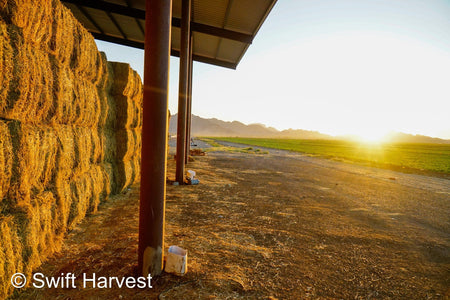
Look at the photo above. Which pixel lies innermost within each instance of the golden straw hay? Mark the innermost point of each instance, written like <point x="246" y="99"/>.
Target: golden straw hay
<point x="86" y="60"/>
<point x="37" y="229"/>
<point x="61" y="43"/>
<point x="107" y="102"/>
<point x="88" y="149"/>
<point x="65" y="155"/>
<point x="6" y="159"/>
<point x="6" y="63"/>
<point x="86" y="193"/>
<point x="127" y="144"/>
<point x="77" y="100"/>
<point x="34" y="17"/>
<point x="36" y="149"/>
<point x="127" y="81"/>
<point x="87" y="103"/>
<point x="29" y="98"/>
<point x="125" y="175"/>
<point x="10" y="254"/>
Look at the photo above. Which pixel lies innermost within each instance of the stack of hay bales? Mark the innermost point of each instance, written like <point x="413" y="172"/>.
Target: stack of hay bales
<point x="70" y="126"/>
<point x="127" y="95"/>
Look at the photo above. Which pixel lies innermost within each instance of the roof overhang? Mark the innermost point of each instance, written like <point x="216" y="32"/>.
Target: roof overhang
<point x="222" y="29"/>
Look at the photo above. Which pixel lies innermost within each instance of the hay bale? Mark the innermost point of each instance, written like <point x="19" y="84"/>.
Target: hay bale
<point x="127" y="92"/>
<point x="127" y="81"/>
<point x="65" y="155"/>
<point x="35" y="148"/>
<point x="86" y="193"/>
<point x="6" y="63"/>
<point x="77" y="100"/>
<point x="10" y="254"/>
<point x="107" y="102"/>
<point x="108" y="144"/>
<point x="29" y="97"/>
<point x="34" y="17"/>
<point x="61" y="42"/>
<point x="85" y="60"/>
<point x="87" y="103"/>
<point x="6" y="159"/>
<point x="36" y="228"/>
<point x="127" y="144"/>
<point x="125" y="175"/>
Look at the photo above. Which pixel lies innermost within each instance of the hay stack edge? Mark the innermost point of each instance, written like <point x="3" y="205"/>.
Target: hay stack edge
<point x="70" y="131"/>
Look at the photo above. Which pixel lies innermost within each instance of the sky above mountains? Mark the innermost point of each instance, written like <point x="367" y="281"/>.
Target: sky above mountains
<point x="339" y="67"/>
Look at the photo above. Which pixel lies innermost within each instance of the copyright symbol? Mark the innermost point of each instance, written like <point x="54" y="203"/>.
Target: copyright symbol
<point x="18" y="280"/>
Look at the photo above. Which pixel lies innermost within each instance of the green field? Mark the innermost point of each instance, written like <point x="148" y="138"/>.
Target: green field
<point x="407" y="157"/>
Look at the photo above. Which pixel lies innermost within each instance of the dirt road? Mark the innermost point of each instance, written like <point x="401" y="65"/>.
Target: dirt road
<point x="278" y="225"/>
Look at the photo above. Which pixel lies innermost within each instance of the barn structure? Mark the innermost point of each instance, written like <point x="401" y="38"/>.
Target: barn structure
<point x="216" y="32"/>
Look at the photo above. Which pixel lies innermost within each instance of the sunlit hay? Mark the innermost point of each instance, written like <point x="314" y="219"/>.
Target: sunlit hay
<point x="29" y="97"/>
<point x="136" y="161"/>
<point x="34" y="17"/>
<point x="86" y="192"/>
<point x="62" y="37"/>
<point x="125" y="175"/>
<point x="101" y="186"/>
<point x="87" y="103"/>
<point x="83" y="150"/>
<point x="63" y="204"/>
<point x="10" y="254"/>
<point x="65" y="156"/>
<point x="36" y="150"/>
<point x="107" y="104"/>
<point x="85" y="59"/>
<point x="64" y="110"/>
<point x="77" y="100"/>
<point x="81" y="194"/>
<point x="6" y="159"/>
<point x="127" y="93"/>
<point x="6" y="64"/>
<point x="35" y="219"/>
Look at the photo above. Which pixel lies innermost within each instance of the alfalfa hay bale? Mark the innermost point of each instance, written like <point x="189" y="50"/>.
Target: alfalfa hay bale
<point x="107" y="102"/>
<point x="125" y="175"/>
<point x="85" y="60"/>
<point x="6" y="63"/>
<point x="34" y="17"/>
<point x="10" y="254"/>
<point x="76" y="99"/>
<point x="88" y="149"/>
<point x="29" y="97"/>
<point x="61" y="43"/>
<point x="36" y="228"/>
<point x="127" y="81"/>
<point x="87" y="191"/>
<point x="127" y="144"/>
<point x="35" y="148"/>
<point x="6" y="159"/>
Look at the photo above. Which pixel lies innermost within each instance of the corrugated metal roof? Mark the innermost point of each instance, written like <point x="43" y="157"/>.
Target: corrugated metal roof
<point x="222" y="29"/>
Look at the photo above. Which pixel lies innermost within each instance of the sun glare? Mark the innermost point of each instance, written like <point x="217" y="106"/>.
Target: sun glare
<point x="372" y="137"/>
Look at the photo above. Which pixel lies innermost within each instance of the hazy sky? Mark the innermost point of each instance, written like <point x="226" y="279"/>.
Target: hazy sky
<point x="360" y="67"/>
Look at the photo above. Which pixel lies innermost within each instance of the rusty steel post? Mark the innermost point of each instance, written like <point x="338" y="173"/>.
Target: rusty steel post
<point x="189" y="103"/>
<point x="158" y="19"/>
<point x="183" y="89"/>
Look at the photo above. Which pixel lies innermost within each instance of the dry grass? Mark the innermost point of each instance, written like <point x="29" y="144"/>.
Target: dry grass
<point x="6" y="62"/>
<point x="6" y="159"/>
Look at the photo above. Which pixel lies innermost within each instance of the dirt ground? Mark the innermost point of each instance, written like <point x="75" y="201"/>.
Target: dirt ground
<point x="276" y="226"/>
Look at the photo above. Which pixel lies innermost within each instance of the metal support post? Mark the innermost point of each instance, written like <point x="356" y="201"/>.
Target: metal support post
<point x="183" y="90"/>
<point x="158" y="19"/>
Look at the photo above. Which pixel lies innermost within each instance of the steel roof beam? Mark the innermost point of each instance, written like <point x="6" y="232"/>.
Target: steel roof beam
<point x="173" y="52"/>
<point x="176" y="22"/>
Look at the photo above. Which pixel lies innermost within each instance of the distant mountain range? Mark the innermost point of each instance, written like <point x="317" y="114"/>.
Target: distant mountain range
<point x="219" y="128"/>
